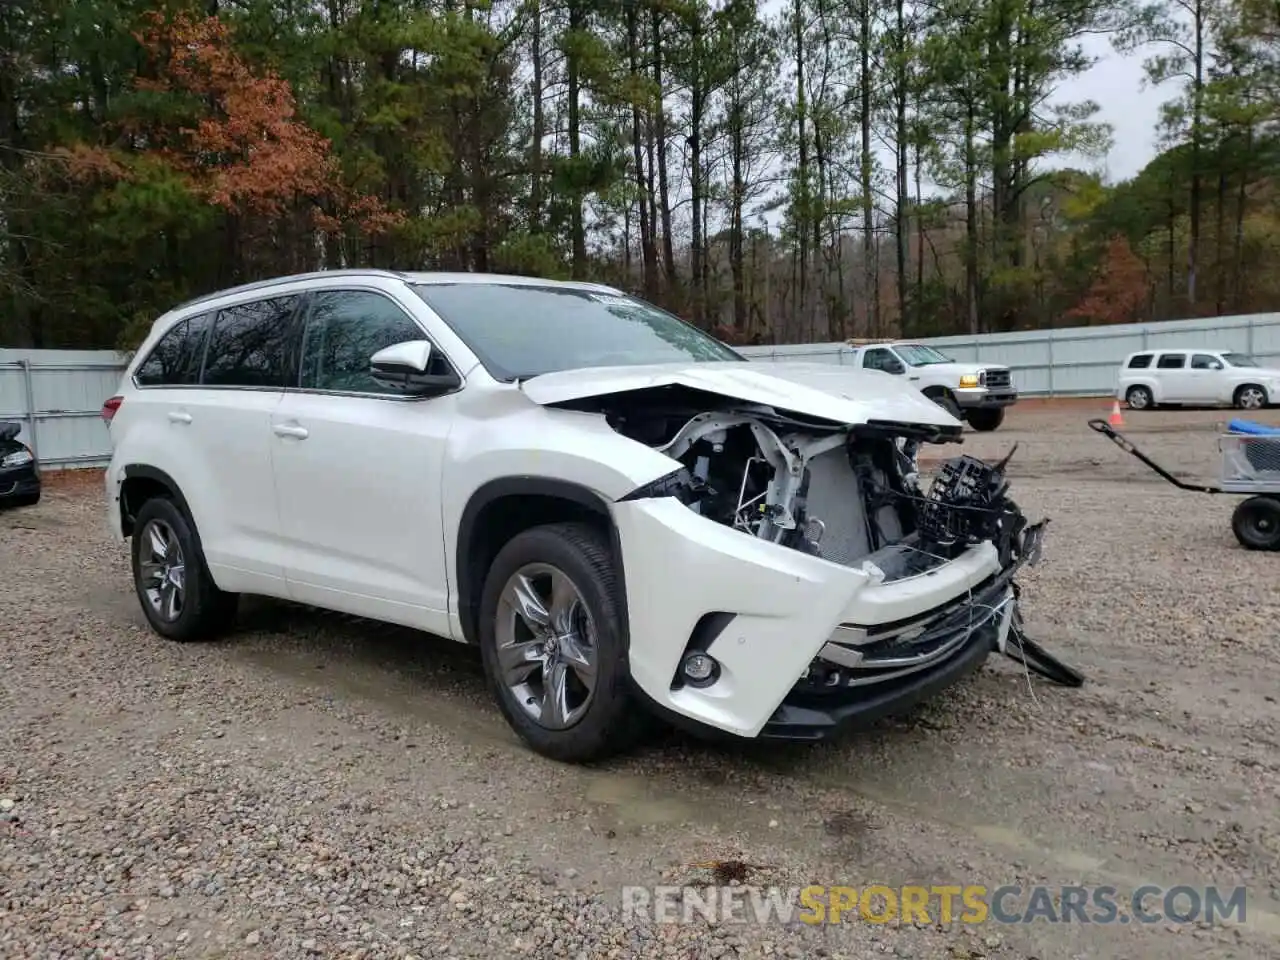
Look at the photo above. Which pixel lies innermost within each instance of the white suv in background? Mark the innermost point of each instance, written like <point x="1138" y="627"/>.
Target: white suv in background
<point x="626" y="516"/>
<point x="1207" y="378"/>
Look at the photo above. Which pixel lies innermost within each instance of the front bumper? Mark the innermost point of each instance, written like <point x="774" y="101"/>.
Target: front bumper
<point x="766" y="613"/>
<point x="19" y="482"/>
<point x="982" y="398"/>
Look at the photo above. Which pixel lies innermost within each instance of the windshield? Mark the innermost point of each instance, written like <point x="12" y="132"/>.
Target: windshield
<point x="918" y="355"/>
<point x="1239" y="360"/>
<point x="520" y="331"/>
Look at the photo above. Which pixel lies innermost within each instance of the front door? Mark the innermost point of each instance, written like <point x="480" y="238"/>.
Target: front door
<point x="358" y="470"/>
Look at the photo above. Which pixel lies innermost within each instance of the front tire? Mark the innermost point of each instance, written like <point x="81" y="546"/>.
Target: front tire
<point x="178" y="596"/>
<point x="554" y="643"/>
<point x="986" y="420"/>
<point x="1250" y="396"/>
<point x="1256" y="523"/>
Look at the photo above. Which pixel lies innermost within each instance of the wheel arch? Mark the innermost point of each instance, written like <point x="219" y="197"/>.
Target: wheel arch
<point x="503" y="507"/>
<point x="141" y="482"/>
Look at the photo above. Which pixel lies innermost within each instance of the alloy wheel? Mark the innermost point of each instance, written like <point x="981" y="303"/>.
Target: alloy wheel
<point x="546" y="646"/>
<point x="162" y="570"/>
<point x="1251" y="398"/>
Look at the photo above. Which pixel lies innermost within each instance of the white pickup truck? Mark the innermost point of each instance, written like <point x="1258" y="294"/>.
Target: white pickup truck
<point x="976" y="393"/>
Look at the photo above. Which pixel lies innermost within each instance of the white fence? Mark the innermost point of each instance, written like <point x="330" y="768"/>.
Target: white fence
<point x="1074" y="361"/>
<point x="57" y="395"/>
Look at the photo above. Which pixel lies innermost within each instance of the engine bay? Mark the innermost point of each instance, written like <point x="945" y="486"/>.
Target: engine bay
<point x="831" y="490"/>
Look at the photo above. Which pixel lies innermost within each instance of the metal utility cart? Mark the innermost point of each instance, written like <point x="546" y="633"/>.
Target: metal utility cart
<point x="1250" y="466"/>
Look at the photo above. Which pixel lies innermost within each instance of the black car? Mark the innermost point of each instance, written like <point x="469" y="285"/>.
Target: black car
<point x="19" y="474"/>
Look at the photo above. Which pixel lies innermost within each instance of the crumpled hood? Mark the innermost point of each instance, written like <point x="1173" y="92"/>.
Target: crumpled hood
<point x="839" y="394"/>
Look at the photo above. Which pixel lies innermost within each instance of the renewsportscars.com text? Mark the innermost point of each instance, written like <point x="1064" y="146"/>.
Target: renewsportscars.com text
<point x="968" y="904"/>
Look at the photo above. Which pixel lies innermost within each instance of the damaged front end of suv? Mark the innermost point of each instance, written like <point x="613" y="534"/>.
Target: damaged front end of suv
<point x="792" y="576"/>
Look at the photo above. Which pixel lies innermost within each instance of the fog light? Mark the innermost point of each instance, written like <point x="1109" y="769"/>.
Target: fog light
<point x="699" y="668"/>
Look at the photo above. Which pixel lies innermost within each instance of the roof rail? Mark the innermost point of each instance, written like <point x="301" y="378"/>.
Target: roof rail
<point x="863" y="343"/>
<point x="292" y="278"/>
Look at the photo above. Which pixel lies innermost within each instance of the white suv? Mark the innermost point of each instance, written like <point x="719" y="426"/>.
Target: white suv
<point x="626" y="516"/>
<point x="1196" y="377"/>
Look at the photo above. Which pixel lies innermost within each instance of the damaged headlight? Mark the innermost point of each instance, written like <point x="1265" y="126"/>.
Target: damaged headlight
<point x="967" y="504"/>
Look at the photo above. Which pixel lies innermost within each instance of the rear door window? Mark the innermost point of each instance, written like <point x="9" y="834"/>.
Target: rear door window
<point x="247" y="347"/>
<point x="1172" y="361"/>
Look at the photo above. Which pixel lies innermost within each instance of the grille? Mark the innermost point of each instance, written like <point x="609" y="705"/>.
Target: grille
<point x="999" y="378"/>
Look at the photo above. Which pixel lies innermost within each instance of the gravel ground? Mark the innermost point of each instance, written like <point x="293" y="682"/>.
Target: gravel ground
<point x="322" y="786"/>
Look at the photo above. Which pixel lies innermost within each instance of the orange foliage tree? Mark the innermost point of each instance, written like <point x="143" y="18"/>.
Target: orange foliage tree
<point x="239" y="146"/>
<point x="1120" y="290"/>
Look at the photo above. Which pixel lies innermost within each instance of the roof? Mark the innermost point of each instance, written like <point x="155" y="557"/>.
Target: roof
<point x="420" y="277"/>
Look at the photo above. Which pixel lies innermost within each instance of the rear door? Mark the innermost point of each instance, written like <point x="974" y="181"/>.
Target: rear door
<point x="227" y="475"/>
<point x="1173" y="377"/>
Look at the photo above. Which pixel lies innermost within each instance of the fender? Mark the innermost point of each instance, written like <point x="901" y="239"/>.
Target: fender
<point x="530" y="486"/>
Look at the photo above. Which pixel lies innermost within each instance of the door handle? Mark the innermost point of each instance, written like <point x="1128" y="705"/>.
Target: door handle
<point x="176" y="416"/>
<point x="284" y="430"/>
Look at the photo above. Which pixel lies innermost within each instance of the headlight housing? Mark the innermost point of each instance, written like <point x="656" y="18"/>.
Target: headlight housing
<point x="969" y="380"/>
<point x="16" y="459"/>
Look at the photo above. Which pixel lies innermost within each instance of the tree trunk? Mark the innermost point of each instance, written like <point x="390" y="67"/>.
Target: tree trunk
<point x="539" y="124"/>
<point x="660" y="129"/>
<point x="872" y="291"/>
<point x="648" y="252"/>
<point x="572" y="68"/>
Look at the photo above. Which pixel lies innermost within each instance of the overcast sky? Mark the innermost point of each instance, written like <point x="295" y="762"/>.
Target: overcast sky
<point x="1115" y="83"/>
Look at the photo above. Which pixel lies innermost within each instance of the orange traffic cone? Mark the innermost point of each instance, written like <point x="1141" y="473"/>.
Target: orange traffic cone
<point x="1116" y="420"/>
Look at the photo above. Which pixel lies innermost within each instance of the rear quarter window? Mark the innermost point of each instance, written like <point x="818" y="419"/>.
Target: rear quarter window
<point x="175" y="359"/>
<point x="1140" y="362"/>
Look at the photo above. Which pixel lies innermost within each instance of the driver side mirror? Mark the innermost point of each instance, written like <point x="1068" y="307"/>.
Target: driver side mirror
<point x="893" y="366"/>
<point x="402" y="367"/>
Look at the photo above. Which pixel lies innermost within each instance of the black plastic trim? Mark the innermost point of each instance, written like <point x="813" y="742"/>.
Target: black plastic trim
<point x="670" y="485"/>
<point x="704" y="633"/>
<point x="529" y="486"/>
<point x="143" y="471"/>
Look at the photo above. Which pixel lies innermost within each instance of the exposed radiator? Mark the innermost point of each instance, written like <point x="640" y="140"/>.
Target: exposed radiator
<point x="835" y="500"/>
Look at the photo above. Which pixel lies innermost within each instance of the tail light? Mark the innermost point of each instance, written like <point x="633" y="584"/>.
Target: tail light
<point x="110" y="407"/>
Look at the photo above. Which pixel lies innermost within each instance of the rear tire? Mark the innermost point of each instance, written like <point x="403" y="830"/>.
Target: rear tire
<point x="554" y="643"/>
<point x="1256" y="523"/>
<point x="1249" y="396"/>
<point x="177" y="594"/>
<point x="29" y="500"/>
<point x="1139" y="398"/>
<point x="986" y="420"/>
